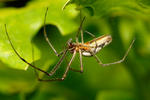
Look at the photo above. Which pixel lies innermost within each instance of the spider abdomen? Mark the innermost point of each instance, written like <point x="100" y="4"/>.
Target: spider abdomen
<point x="95" y="45"/>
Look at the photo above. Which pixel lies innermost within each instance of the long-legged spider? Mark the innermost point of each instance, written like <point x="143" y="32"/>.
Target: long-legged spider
<point x="89" y="48"/>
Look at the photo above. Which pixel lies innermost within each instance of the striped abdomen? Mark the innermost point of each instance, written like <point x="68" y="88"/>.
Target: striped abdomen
<point x="96" y="45"/>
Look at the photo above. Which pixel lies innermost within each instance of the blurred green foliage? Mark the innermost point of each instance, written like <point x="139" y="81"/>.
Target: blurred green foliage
<point x="123" y="19"/>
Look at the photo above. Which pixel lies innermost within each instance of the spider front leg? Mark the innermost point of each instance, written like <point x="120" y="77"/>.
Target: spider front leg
<point x="46" y="37"/>
<point x="116" y="62"/>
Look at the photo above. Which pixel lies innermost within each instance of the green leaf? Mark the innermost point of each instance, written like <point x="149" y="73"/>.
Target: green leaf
<point x="115" y="7"/>
<point x="24" y="23"/>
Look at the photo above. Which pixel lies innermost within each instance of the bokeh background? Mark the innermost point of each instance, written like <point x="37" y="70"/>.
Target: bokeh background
<point x="125" y="20"/>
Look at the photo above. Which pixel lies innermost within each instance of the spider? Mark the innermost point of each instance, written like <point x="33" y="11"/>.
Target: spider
<point x="90" y="48"/>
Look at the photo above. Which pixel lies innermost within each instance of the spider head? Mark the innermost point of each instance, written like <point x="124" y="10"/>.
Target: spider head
<point x="69" y="43"/>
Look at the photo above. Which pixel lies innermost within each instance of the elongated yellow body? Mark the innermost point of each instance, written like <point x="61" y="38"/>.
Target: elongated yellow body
<point x="96" y="45"/>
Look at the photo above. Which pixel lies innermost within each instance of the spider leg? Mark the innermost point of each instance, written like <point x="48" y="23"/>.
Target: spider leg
<point x="58" y="64"/>
<point x="82" y="40"/>
<point x="61" y="59"/>
<point x="75" y="70"/>
<point x="22" y="57"/>
<point x="93" y="37"/>
<point x="64" y="6"/>
<point x="65" y="73"/>
<point x="54" y="69"/>
<point x="81" y="64"/>
<point x="80" y="29"/>
<point x="46" y="37"/>
<point x="81" y="68"/>
<point x="67" y="69"/>
<point x="116" y="62"/>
